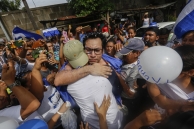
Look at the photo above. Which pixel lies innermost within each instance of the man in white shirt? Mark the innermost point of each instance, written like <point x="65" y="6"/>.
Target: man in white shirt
<point x="90" y="89"/>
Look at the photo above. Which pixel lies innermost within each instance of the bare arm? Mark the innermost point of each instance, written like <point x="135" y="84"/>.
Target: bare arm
<point x="69" y="76"/>
<point x="51" y="123"/>
<point x="101" y="111"/>
<point x="37" y="87"/>
<point x="78" y="31"/>
<point x="161" y="100"/>
<point x="61" y="57"/>
<point x="126" y="88"/>
<point x="28" y="102"/>
<point x="146" y="118"/>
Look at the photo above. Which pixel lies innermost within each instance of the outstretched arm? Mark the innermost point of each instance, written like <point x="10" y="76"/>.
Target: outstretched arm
<point x="146" y="118"/>
<point x="162" y="100"/>
<point x="70" y="75"/>
<point x="102" y="110"/>
<point x="37" y="87"/>
<point x="51" y="123"/>
<point x="28" y="102"/>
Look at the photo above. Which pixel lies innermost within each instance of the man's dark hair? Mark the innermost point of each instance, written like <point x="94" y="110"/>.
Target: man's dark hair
<point x="94" y="35"/>
<point x="164" y="31"/>
<point x="154" y="29"/>
<point x="188" y="32"/>
<point x="187" y="54"/>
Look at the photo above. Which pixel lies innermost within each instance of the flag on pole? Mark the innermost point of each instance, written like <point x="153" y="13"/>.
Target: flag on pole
<point x="185" y="20"/>
<point x="50" y="32"/>
<point x="20" y="33"/>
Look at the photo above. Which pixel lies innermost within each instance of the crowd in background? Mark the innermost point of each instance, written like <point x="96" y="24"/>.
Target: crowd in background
<point x="89" y="77"/>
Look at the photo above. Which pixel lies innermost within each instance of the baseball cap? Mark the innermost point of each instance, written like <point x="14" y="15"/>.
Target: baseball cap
<point x="73" y="50"/>
<point x="132" y="44"/>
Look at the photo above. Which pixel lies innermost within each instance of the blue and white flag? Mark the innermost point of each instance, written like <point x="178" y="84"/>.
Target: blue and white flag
<point x="20" y="33"/>
<point x="185" y="20"/>
<point x="50" y="32"/>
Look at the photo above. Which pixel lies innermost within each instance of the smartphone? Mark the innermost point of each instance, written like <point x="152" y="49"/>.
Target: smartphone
<point x="86" y="28"/>
<point x="66" y="39"/>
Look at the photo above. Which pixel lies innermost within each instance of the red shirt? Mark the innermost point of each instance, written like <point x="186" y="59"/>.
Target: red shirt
<point x="105" y="29"/>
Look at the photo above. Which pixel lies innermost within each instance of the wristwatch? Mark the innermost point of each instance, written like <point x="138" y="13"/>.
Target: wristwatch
<point x="16" y="83"/>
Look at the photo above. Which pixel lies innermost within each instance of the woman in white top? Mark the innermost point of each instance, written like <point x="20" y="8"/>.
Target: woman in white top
<point x="145" y="19"/>
<point x="175" y="96"/>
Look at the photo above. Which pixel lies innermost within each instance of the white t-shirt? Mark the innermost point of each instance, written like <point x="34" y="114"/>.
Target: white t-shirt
<point x="50" y="103"/>
<point x="172" y="91"/>
<point x="145" y="21"/>
<point x="14" y="112"/>
<point x="30" y="65"/>
<point x="92" y="89"/>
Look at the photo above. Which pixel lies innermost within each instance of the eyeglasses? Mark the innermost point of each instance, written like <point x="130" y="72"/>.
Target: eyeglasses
<point x="97" y="51"/>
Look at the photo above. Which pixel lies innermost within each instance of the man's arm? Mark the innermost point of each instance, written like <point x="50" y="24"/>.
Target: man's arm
<point x="126" y="88"/>
<point x="161" y="100"/>
<point x="51" y="123"/>
<point x="146" y="118"/>
<point x="69" y="76"/>
<point x="37" y="87"/>
<point x="102" y="110"/>
<point x="28" y="102"/>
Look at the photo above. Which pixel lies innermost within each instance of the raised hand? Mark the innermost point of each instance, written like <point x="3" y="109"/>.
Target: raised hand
<point x="102" y="110"/>
<point x="42" y="58"/>
<point x="8" y="73"/>
<point x="82" y="126"/>
<point x="100" y="70"/>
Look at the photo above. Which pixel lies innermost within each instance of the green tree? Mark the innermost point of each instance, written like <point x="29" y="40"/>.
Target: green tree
<point x="89" y="7"/>
<point x="9" y="5"/>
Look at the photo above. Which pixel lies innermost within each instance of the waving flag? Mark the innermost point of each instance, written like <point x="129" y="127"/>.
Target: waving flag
<point x="50" y="32"/>
<point x="20" y="33"/>
<point x="185" y="20"/>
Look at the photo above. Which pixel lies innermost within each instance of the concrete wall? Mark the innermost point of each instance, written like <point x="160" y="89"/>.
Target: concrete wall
<point x="20" y="18"/>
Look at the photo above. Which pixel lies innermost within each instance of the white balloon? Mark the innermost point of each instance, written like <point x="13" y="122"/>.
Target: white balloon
<point x="8" y="123"/>
<point x="159" y="64"/>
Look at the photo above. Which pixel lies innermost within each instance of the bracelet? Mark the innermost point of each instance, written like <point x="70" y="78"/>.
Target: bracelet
<point x="59" y="113"/>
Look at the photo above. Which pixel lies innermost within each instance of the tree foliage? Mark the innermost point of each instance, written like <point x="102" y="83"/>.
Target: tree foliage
<point x="9" y="5"/>
<point x="89" y="7"/>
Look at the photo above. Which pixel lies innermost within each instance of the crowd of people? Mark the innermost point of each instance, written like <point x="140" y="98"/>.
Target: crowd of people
<point x="93" y="77"/>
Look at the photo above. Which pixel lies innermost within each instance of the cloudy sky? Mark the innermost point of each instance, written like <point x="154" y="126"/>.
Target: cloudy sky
<point x="39" y="3"/>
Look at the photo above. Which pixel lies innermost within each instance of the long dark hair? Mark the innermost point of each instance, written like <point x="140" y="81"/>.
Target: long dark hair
<point x="187" y="54"/>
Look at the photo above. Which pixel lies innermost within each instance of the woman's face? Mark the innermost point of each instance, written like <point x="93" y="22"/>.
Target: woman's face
<point x="131" y="33"/>
<point x="29" y="56"/>
<point x="50" y="47"/>
<point x="188" y="39"/>
<point x="110" y="49"/>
